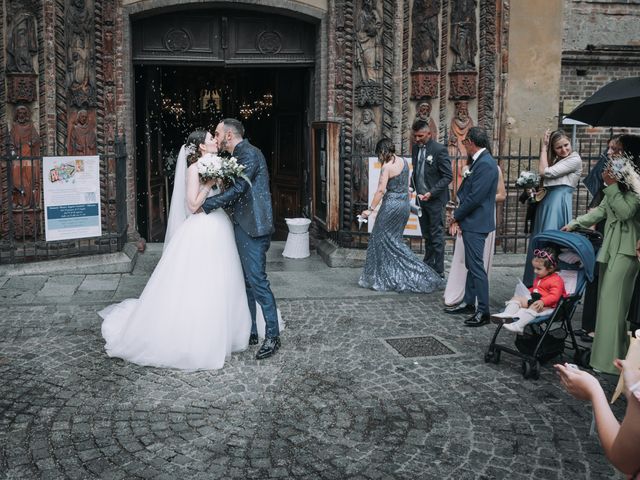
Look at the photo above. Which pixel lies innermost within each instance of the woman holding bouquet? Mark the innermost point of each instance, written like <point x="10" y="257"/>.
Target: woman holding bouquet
<point x="560" y="167"/>
<point x="193" y="311"/>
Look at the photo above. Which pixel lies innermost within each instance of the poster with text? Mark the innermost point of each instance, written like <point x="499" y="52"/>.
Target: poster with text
<point x="413" y="224"/>
<point x="71" y="197"/>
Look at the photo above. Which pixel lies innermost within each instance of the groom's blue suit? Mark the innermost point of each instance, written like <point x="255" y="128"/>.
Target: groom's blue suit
<point x="250" y="209"/>
<point x="476" y="217"/>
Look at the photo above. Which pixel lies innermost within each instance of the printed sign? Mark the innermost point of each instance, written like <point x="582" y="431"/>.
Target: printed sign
<point x="413" y="224"/>
<point x="71" y="197"/>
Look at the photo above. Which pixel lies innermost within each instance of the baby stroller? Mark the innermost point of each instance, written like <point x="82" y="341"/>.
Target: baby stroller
<point x="546" y="336"/>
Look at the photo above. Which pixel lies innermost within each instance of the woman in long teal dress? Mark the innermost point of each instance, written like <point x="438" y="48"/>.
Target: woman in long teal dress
<point x="560" y="167"/>
<point x="390" y="263"/>
<point x="618" y="267"/>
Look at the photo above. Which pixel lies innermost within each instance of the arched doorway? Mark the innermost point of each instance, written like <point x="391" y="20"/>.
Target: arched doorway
<point x="193" y="68"/>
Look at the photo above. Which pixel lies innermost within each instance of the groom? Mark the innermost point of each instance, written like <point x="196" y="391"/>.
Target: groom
<point x="250" y="208"/>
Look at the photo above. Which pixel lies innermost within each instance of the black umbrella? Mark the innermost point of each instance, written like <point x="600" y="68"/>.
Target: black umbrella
<point x="617" y="104"/>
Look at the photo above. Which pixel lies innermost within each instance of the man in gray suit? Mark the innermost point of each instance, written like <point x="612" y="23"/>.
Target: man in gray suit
<point x="250" y="208"/>
<point x="431" y="178"/>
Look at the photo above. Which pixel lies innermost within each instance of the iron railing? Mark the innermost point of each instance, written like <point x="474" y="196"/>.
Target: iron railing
<point x="511" y="236"/>
<point x="22" y="236"/>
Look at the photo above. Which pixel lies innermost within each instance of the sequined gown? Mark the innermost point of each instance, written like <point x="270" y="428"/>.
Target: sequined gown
<point x="390" y="263"/>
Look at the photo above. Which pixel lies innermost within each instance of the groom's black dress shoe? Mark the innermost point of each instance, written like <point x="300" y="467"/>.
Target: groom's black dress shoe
<point x="253" y="339"/>
<point x="268" y="348"/>
<point x="478" y="320"/>
<point x="460" y="309"/>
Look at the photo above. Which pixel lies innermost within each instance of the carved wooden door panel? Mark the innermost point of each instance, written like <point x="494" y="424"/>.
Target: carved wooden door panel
<point x="154" y="182"/>
<point x="286" y="184"/>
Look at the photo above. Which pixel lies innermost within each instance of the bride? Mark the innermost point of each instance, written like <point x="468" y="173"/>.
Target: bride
<point x="193" y="311"/>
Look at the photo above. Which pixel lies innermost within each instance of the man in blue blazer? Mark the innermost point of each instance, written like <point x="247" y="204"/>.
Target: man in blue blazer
<point x="475" y="217"/>
<point x="431" y="178"/>
<point x="250" y="208"/>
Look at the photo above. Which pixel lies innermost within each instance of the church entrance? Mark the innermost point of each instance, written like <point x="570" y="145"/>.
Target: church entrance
<point x="193" y="69"/>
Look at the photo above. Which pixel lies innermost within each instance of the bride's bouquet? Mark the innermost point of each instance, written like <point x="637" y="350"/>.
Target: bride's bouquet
<point x="225" y="169"/>
<point x="210" y="167"/>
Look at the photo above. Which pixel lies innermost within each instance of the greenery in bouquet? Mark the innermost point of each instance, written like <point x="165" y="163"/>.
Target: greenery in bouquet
<point x="232" y="170"/>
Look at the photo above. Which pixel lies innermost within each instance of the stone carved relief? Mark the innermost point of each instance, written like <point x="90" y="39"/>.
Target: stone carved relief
<point x="463" y="35"/>
<point x="109" y="101"/>
<point x="463" y="85"/>
<point x="82" y="135"/>
<point x="22" y="44"/>
<point x="423" y="112"/>
<point x="368" y="61"/>
<point x="425" y="35"/>
<point x="25" y="142"/>
<point x="80" y="51"/>
<point x="424" y="85"/>
<point x="269" y="43"/>
<point x="21" y="87"/>
<point x="366" y="134"/>
<point x="108" y="11"/>
<point x="460" y="125"/>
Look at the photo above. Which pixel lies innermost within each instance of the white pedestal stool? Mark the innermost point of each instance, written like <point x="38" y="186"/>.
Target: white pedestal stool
<point x="297" y="245"/>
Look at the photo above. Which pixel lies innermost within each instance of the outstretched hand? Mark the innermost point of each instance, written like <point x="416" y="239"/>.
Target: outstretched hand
<point x="545" y="139"/>
<point x="578" y="383"/>
<point x="630" y="373"/>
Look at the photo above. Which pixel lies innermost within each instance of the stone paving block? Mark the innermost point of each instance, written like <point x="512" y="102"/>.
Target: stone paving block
<point x="61" y="286"/>
<point x="94" y="283"/>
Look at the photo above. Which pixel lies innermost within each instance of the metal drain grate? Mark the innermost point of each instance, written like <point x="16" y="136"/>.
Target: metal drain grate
<point x="419" y="346"/>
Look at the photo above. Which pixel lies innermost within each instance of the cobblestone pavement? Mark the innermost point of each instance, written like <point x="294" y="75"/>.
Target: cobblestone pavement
<point x="336" y="402"/>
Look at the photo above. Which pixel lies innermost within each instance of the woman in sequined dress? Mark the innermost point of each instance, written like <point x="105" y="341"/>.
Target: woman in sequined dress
<point x="390" y="263"/>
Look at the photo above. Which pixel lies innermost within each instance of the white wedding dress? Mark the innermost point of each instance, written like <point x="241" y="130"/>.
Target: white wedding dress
<point x="193" y="312"/>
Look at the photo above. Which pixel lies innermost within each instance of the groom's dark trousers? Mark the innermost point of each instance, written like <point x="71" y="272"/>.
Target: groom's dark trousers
<point x="253" y="255"/>
<point x="250" y="208"/>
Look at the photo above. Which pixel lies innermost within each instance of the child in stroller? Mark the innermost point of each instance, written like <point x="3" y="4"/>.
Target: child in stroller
<point x="541" y="298"/>
<point x="547" y="334"/>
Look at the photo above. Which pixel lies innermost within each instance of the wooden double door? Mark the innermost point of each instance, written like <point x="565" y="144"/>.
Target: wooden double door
<point x="172" y="101"/>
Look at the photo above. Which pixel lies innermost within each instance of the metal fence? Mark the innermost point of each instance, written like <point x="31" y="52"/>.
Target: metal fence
<point x="22" y="236"/>
<point x="511" y="235"/>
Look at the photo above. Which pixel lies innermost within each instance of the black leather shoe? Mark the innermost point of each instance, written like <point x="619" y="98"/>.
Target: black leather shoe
<point x="268" y="348"/>
<point x="253" y="339"/>
<point x="461" y="308"/>
<point x="477" y="320"/>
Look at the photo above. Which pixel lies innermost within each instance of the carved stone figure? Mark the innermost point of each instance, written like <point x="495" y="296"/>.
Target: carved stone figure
<point x="424" y="34"/>
<point x="109" y="101"/>
<point x="460" y="125"/>
<point x="79" y="31"/>
<point x="364" y="143"/>
<point x="366" y="133"/>
<point x="423" y="112"/>
<point x="25" y="142"/>
<point x="82" y="139"/>
<point x="368" y="42"/>
<point x="463" y="34"/>
<point x="22" y="44"/>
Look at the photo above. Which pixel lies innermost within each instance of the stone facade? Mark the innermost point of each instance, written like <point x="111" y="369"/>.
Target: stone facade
<point x="379" y="65"/>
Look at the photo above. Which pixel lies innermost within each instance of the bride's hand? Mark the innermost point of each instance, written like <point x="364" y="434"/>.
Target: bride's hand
<point x="210" y="183"/>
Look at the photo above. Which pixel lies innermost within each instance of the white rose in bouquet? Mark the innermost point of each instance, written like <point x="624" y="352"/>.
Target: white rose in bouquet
<point x="210" y="166"/>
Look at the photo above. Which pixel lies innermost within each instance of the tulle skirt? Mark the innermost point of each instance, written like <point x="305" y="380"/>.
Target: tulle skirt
<point x="193" y="312"/>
